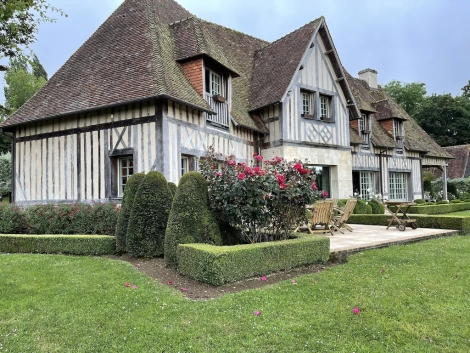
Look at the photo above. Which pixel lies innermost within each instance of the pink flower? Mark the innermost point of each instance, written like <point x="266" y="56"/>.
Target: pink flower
<point x="249" y="171"/>
<point x="259" y="158"/>
<point x="231" y="162"/>
<point x="314" y="186"/>
<point x="183" y="289"/>
<point x="293" y="281"/>
<point x="257" y="313"/>
<point x="324" y="193"/>
<point x="282" y="186"/>
<point x="263" y="278"/>
<point x="280" y="178"/>
<point x="134" y="287"/>
<point x="303" y="171"/>
<point x="241" y="176"/>
<point x="356" y="311"/>
<point x="298" y="166"/>
<point x="127" y="284"/>
<point x="170" y="283"/>
<point x="255" y="154"/>
<point x="217" y="174"/>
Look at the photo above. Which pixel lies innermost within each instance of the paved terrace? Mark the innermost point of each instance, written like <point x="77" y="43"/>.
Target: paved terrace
<point x="370" y="237"/>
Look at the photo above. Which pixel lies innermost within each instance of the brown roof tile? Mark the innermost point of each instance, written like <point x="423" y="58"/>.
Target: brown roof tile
<point x="457" y="167"/>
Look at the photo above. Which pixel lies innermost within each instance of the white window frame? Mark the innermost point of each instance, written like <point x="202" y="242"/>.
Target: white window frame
<point x="397" y="187"/>
<point x="122" y="178"/>
<point x="366" y="182"/>
<point x="188" y="164"/>
<point x="307" y="103"/>
<point x="364" y="124"/>
<point x="397" y="128"/>
<point x="215" y="84"/>
<point x="324" y="106"/>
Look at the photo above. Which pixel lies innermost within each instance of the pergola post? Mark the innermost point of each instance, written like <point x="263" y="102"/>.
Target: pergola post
<point x="444" y="172"/>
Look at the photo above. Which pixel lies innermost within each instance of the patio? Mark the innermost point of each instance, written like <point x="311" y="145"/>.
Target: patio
<point x="370" y="237"/>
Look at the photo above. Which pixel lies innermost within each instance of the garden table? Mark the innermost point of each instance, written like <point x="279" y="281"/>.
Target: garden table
<point x="399" y="216"/>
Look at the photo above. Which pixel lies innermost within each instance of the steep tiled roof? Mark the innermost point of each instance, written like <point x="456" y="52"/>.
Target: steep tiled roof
<point x="276" y="64"/>
<point x="385" y="107"/>
<point x="123" y="61"/>
<point x="458" y="167"/>
<point x="354" y="135"/>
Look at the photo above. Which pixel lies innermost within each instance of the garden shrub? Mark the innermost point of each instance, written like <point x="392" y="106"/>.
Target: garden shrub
<point x="456" y="201"/>
<point x="149" y="217"/>
<point x="419" y="201"/>
<point x="452" y="188"/>
<point x="79" y="218"/>
<point x="127" y="201"/>
<point x="190" y="220"/>
<point x="217" y="265"/>
<point x="432" y="208"/>
<point x="58" y="244"/>
<point x="5" y="173"/>
<point x="442" y="202"/>
<point x="262" y="202"/>
<point x="376" y="207"/>
<point x="12" y="220"/>
<point x="362" y="207"/>
<point x="173" y="188"/>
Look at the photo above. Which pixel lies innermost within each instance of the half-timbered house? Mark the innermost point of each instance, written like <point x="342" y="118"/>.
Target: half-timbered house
<point x="154" y="86"/>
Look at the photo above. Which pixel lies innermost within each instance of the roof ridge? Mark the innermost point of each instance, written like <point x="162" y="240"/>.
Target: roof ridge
<point x="288" y="34"/>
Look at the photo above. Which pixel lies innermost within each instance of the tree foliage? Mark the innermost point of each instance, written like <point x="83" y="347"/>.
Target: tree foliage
<point x="466" y="90"/>
<point x="19" y="21"/>
<point x="408" y="95"/>
<point x="5" y="173"/>
<point x="445" y="118"/>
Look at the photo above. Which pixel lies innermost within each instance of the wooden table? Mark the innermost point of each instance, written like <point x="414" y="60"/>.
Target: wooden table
<point x="401" y="209"/>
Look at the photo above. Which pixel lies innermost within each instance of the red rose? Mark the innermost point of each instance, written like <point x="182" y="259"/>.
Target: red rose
<point x="241" y="176"/>
<point x="298" y="166"/>
<point x="259" y="158"/>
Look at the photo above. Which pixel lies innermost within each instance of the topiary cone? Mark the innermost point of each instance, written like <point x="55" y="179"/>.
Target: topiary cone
<point x="191" y="220"/>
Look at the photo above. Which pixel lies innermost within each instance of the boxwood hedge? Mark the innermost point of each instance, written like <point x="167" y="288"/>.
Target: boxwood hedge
<point x="440" y="209"/>
<point x="58" y="244"/>
<point x="217" y="265"/>
<point x="190" y="220"/>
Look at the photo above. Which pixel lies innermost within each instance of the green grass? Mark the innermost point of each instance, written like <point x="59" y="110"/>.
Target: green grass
<point x="54" y="303"/>
<point x="461" y="213"/>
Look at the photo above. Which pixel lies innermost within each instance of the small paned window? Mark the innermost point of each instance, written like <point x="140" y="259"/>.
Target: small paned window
<point x="397" y="186"/>
<point x="324" y="107"/>
<point x="367" y="187"/>
<point x="397" y="129"/>
<point x="364" y="130"/>
<point x="126" y="169"/>
<point x="188" y="164"/>
<point x="307" y="103"/>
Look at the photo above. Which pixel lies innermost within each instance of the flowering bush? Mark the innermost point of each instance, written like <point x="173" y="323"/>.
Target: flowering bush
<point x="263" y="201"/>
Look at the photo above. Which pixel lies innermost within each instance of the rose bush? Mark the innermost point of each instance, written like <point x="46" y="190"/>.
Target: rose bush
<point x="264" y="201"/>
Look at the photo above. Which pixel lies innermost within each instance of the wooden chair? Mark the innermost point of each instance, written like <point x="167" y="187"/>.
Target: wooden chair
<point x="344" y="213"/>
<point x="321" y="215"/>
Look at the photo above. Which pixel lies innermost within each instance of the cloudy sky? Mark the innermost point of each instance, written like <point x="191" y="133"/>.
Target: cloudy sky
<point x="410" y="41"/>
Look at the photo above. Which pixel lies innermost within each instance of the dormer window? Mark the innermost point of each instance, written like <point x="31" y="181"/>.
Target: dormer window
<point x="398" y="129"/>
<point x="215" y="84"/>
<point x="307" y="104"/>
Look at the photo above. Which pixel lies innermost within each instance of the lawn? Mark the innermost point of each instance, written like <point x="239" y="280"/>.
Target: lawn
<point x="412" y="298"/>
<point x="461" y="213"/>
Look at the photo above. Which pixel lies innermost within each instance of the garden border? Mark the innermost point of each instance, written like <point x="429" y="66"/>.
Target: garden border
<point x="217" y="265"/>
<point x="440" y="209"/>
<point x="58" y="244"/>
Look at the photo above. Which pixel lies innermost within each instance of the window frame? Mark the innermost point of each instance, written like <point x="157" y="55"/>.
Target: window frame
<point x="398" y="186"/>
<point x="120" y="184"/>
<point x="307" y="97"/>
<point x="366" y="181"/>
<point x="215" y="79"/>
<point x="325" y="105"/>
<point x="191" y="164"/>
<point x="364" y="125"/>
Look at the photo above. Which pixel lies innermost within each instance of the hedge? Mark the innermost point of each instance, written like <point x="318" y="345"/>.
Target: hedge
<point x="440" y="209"/>
<point x="149" y="217"/>
<point x="424" y="221"/>
<point x="130" y="190"/>
<point x="190" y="220"/>
<point x="173" y="188"/>
<point x="58" y="244"/>
<point x="217" y="265"/>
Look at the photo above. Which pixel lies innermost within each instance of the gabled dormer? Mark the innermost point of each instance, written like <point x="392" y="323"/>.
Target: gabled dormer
<point x="365" y="129"/>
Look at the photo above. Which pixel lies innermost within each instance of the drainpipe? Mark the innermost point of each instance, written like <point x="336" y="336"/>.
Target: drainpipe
<point x="444" y="169"/>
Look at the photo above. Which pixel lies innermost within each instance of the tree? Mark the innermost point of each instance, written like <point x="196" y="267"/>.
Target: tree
<point x="5" y="174"/>
<point x="445" y="118"/>
<point x="19" y="21"/>
<point x="466" y="90"/>
<point x="23" y="79"/>
<point x="408" y="95"/>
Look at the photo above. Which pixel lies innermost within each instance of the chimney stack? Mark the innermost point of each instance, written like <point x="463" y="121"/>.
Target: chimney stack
<point x="370" y="76"/>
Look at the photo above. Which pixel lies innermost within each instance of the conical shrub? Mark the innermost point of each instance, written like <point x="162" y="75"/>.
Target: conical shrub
<point x="173" y="188"/>
<point x="149" y="217"/>
<point x="123" y="221"/>
<point x="191" y="220"/>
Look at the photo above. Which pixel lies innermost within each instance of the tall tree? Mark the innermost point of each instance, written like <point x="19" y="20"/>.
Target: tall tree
<point x="466" y="90"/>
<point x="408" y="95"/>
<point x="19" y="21"/>
<point x="445" y="118"/>
<point x="22" y="80"/>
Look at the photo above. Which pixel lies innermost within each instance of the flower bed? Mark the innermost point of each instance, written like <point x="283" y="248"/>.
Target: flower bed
<point x="217" y="265"/>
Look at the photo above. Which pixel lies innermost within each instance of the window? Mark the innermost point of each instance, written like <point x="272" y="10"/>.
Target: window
<point x="397" y="186"/>
<point x="397" y="129"/>
<point x="188" y="164"/>
<point x="307" y="103"/>
<point x="126" y="169"/>
<point x="367" y="185"/>
<point x="322" y="178"/>
<point x="214" y="83"/>
<point x="324" y="107"/>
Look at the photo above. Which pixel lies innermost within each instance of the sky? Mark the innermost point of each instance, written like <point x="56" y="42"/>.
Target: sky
<point x="406" y="40"/>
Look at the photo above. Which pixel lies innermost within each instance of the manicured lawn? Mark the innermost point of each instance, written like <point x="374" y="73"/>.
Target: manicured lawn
<point x="420" y="303"/>
<point x="461" y="213"/>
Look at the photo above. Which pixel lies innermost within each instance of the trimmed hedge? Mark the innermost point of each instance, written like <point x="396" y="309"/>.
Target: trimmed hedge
<point x="12" y="220"/>
<point x="149" y="217"/>
<point x="432" y="209"/>
<point x="424" y="221"/>
<point x="217" y="265"/>
<point x="173" y="188"/>
<point x="377" y="207"/>
<point x="130" y="191"/>
<point x="190" y="220"/>
<point x="58" y="244"/>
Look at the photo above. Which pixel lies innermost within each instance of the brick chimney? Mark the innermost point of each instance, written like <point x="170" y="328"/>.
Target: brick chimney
<point x="370" y="76"/>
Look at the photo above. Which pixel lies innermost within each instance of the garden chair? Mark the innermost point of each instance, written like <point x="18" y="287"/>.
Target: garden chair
<point x="344" y="214"/>
<point x="321" y="216"/>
